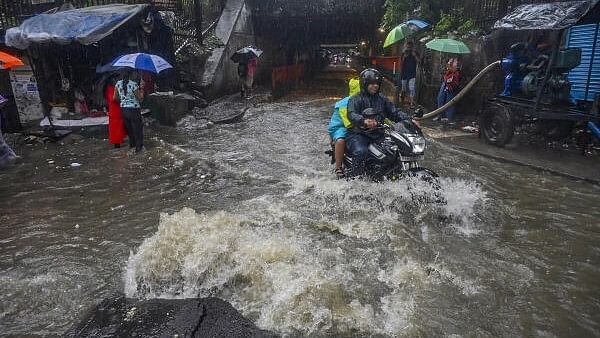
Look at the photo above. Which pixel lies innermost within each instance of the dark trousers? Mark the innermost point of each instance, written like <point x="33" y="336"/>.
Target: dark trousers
<point x="134" y="126"/>
<point x="6" y="153"/>
<point x="444" y="96"/>
<point x="358" y="148"/>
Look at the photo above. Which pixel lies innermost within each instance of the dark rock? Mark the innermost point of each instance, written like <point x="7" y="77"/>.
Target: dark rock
<point x="206" y="317"/>
<point x="202" y="103"/>
<point x="167" y="108"/>
<point x="72" y="138"/>
<point x="226" y="111"/>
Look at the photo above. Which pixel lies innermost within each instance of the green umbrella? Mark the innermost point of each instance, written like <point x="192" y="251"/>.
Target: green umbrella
<point x="398" y="33"/>
<point x="448" y="46"/>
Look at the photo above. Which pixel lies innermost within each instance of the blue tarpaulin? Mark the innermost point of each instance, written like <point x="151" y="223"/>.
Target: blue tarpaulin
<point x="84" y="25"/>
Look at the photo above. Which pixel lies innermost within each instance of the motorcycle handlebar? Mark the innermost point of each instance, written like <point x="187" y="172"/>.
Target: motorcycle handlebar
<point x="383" y="126"/>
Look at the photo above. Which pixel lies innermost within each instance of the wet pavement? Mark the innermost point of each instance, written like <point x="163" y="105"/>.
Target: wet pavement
<point x="251" y="213"/>
<point x="571" y="163"/>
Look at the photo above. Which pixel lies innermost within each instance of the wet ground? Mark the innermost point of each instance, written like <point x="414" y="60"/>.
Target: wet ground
<point x="251" y="213"/>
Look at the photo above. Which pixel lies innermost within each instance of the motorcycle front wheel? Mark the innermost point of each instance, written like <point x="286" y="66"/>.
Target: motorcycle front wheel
<point x="429" y="177"/>
<point x="422" y="172"/>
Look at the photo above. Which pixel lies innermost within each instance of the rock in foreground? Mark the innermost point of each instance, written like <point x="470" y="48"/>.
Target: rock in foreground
<point x="207" y="317"/>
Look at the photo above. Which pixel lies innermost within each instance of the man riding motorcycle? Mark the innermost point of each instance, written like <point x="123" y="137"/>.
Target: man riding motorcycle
<point x="365" y="121"/>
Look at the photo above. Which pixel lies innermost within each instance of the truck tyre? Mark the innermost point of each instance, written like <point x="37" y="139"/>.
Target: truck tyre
<point x="496" y="124"/>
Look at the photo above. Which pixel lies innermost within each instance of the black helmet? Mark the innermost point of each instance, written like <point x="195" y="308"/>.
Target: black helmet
<point x="369" y="76"/>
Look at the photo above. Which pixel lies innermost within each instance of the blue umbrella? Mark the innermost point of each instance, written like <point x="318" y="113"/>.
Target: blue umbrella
<point x="142" y="61"/>
<point x="419" y="23"/>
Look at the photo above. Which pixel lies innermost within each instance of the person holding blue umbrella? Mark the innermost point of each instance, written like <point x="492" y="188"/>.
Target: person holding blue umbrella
<point x="129" y="93"/>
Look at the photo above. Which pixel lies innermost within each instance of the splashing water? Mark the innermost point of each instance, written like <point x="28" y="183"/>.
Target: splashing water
<point x="296" y="270"/>
<point x="511" y="252"/>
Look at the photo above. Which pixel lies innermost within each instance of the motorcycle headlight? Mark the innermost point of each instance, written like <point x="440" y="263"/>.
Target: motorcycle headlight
<point x="418" y="143"/>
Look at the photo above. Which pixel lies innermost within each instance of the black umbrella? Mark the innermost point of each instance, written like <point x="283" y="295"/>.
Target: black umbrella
<point x="245" y="54"/>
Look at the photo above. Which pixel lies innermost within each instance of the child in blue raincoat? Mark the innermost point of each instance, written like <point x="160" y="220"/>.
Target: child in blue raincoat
<point x="339" y="124"/>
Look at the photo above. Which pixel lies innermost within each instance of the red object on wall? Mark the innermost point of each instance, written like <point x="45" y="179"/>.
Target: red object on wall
<point x="387" y="62"/>
<point x="287" y="74"/>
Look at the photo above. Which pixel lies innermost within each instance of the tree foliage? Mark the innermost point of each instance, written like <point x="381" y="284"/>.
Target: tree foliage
<point x="397" y="11"/>
<point x="446" y="15"/>
<point x="455" y="21"/>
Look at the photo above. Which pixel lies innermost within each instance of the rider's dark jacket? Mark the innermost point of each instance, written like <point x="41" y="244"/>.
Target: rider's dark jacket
<point x="383" y="107"/>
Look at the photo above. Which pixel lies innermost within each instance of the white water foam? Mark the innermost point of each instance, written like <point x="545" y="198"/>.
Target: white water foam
<point x="360" y="208"/>
<point x="276" y="276"/>
<point x="315" y="261"/>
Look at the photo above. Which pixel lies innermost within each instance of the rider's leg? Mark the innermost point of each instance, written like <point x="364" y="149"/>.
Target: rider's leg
<point x="358" y="147"/>
<point x="340" y="148"/>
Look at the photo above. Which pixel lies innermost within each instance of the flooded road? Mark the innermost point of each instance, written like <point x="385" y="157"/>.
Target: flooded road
<point x="251" y="213"/>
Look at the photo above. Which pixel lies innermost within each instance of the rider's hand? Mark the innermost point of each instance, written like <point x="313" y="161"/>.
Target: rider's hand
<point x="417" y="122"/>
<point x="370" y="123"/>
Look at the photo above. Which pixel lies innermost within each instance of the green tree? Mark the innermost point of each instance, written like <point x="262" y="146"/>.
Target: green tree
<point x="446" y="16"/>
<point x="397" y="11"/>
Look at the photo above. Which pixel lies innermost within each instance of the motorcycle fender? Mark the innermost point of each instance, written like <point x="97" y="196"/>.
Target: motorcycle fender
<point x="376" y="152"/>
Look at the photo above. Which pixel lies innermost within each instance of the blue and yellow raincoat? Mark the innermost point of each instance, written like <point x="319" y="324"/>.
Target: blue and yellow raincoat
<point x="339" y="123"/>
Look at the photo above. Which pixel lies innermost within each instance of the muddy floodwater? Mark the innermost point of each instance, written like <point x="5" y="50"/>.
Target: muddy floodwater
<point x="251" y="213"/>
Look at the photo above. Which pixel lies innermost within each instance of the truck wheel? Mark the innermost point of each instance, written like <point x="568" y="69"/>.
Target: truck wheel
<point x="496" y="124"/>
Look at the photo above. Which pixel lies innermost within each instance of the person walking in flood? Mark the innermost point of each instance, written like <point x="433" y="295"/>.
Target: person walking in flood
<point x="129" y="94"/>
<point x="116" y="125"/>
<point x="408" y="74"/>
<point x="246" y="72"/>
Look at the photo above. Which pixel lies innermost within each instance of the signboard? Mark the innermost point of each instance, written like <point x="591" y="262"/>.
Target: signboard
<point x="27" y="96"/>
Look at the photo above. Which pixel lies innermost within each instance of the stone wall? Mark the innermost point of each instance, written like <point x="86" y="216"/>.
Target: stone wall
<point x="235" y="30"/>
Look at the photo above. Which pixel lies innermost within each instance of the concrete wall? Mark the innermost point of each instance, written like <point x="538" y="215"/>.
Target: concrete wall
<point x="484" y="50"/>
<point x="236" y="31"/>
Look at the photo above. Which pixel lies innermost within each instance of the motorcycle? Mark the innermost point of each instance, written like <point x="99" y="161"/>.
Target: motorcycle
<point x="395" y="154"/>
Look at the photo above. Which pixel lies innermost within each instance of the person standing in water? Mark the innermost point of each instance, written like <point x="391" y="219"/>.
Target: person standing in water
<point x="246" y="72"/>
<point x="116" y="125"/>
<point x="408" y="73"/>
<point x="129" y="94"/>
